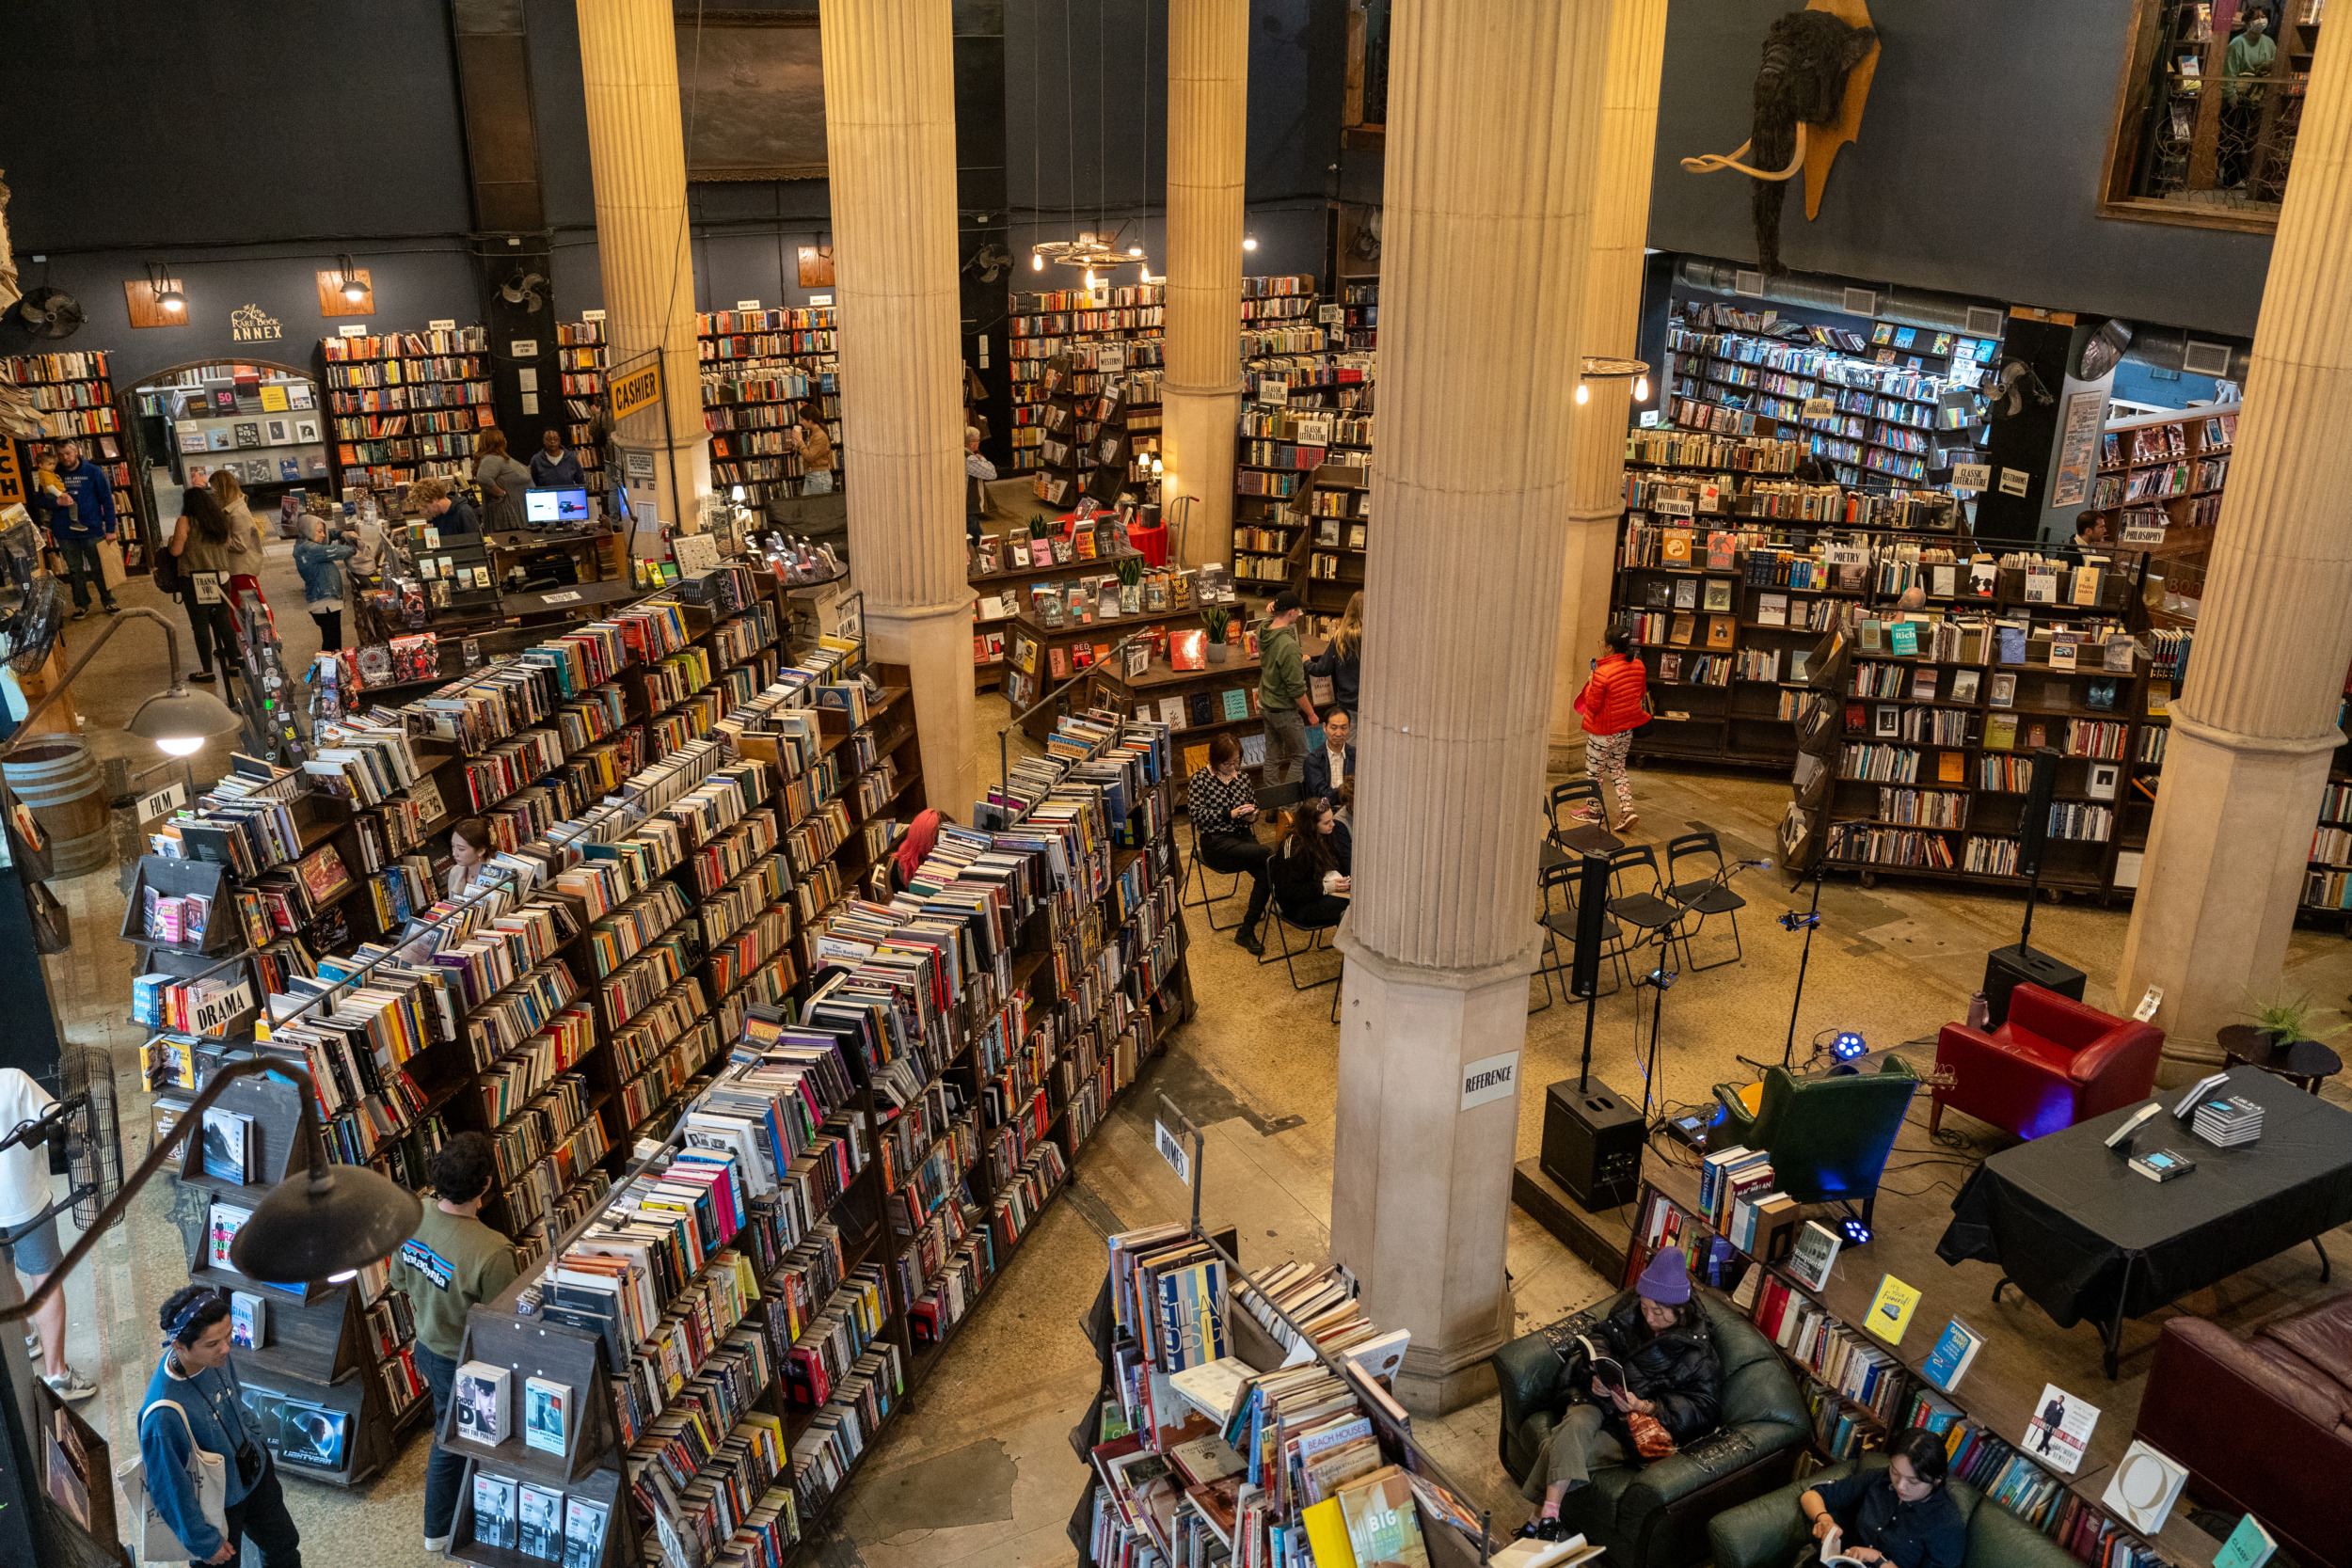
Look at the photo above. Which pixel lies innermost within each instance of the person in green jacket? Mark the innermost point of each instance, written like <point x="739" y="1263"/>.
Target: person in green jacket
<point x="1282" y="694"/>
<point x="2245" y="70"/>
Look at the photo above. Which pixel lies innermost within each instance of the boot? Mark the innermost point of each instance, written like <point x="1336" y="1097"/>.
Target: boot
<point x="1246" y="940"/>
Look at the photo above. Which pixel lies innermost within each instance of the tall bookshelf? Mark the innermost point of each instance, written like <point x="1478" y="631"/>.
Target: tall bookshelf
<point x="1900" y="403"/>
<point x="1361" y="324"/>
<point x="687" y="802"/>
<point x="760" y="369"/>
<point x="580" y="362"/>
<point x="404" y="405"/>
<point x="1863" y="1391"/>
<point x="75" y="395"/>
<point x="1044" y="326"/>
<point x="1285" y="448"/>
<point x="897" y="1137"/>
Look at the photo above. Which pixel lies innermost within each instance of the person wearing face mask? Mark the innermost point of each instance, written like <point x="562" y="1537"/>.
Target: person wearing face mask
<point x="1671" y="1376"/>
<point x="1903" y="1515"/>
<point x="2244" y="69"/>
<point x="195" y="1401"/>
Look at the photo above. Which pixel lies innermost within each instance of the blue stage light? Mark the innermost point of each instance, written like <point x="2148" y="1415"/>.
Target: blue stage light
<point x="1847" y="1045"/>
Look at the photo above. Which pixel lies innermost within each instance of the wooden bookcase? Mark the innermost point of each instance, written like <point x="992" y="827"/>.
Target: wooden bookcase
<point x="319" y="1364"/>
<point x="75" y="394"/>
<point x="1031" y="649"/>
<point x="1042" y="327"/>
<point x="989" y="629"/>
<point x="758" y="369"/>
<point x="1999" y="1399"/>
<point x="580" y="363"/>
<point x="1028" y="1097"/>
<point x="404" y="405"/>
<point x="1362" y="322"/>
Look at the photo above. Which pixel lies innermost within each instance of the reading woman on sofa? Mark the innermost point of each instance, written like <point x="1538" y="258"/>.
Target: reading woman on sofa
<point x="1653" y="1365"/>
<point x="1900" y="1515"/>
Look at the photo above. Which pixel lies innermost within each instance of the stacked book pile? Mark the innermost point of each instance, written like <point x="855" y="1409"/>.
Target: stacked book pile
<point x="2226" y="1121"/>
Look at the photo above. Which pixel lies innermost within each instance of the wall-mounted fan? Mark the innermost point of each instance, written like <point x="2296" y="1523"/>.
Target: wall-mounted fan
<point x="989" y="263"/>
<point x="2016" y="381"/>
<point x="523" y="289"/>
<point x="50" y="313"/>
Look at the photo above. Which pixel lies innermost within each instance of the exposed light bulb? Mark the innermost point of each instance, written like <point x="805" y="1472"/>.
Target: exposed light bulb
<point x="1583" y="394"/>
<point x="1250" y="242"/>
<point x="1640" y="388"/>
<point x="1134" y="250"/>
<point x="1089" y="278"/>
<point x="1037" y="262"/>
<point x="180" y="745"/>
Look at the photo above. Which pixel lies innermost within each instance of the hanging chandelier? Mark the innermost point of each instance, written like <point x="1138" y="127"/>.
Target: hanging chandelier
<point x="1089" y="250"/>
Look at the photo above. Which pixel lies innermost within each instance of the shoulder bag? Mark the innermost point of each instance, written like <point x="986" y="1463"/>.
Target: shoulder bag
<point x="158" y="1542"/>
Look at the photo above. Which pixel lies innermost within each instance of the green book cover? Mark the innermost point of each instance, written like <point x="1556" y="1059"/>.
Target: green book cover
<point x="2249" y="1546"/>
<point x="1236" y="704"/>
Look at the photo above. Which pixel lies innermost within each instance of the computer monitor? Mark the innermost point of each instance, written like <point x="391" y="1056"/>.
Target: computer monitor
<point x="556" y="506"/>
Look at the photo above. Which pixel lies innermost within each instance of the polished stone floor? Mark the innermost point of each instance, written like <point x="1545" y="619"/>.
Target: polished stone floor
<point x="978" y="1470"/>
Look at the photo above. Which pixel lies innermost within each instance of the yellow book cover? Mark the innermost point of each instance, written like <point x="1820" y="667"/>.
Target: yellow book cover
<point x="1891" y="1309"/>
<point x="1676" y="552"/>
<point x="273" y="399"/>
<point x="1327" y="1535"/>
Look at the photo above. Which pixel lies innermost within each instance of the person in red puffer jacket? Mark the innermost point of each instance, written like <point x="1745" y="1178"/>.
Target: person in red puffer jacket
<point x="1611" y="706"/>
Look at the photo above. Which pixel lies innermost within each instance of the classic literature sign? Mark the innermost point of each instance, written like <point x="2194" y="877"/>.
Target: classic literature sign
<point x="1274" y="392"/>
<point x="1330" y="315"/>
<point x="1971" y="476"/>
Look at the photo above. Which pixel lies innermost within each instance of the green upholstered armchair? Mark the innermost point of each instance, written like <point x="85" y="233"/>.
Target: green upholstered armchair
<point x="1769" y="1532"/>
<point x="1828" y="1137"/>
<point x="1655" y="1515"/>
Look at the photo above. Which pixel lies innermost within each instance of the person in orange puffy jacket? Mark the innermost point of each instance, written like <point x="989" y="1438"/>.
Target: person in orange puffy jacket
<point x="1611" y="707"/>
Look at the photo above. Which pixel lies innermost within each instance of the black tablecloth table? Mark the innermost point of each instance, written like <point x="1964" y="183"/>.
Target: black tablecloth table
<point x="2086" y="1236"/>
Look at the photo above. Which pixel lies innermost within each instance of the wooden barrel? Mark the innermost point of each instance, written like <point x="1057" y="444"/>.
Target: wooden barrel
<point x="56" y="776"/>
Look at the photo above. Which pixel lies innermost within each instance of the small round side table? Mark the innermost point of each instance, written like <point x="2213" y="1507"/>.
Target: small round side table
<point x="2302" y="1063"/>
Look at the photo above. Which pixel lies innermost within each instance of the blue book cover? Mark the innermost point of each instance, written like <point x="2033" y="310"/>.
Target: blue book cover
<point x="1948" y="1361"/>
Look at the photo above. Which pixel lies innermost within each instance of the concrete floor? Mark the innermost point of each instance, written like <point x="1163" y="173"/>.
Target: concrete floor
<point x="978" y="1471"/>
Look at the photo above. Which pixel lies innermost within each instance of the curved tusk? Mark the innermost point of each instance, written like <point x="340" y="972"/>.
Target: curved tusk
<point x="1710" y="163"/>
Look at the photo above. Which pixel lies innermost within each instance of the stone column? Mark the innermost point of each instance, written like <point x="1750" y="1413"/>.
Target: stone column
<point x="1208" y="105"/>
<point x="1493" y="120"/>
<point x="637" y="157"/>
<point x="1613" y="303"/>
<point x="890" y="128"/>
<point x="2255" y="720"/>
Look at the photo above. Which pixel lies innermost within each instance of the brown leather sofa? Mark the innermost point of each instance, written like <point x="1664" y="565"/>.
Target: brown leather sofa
<point x="2263" y="1422"/>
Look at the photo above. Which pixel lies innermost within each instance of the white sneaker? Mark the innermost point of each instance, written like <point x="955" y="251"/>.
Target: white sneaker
<point x="437" y="1544"/>
<point x="32" y="1344"/>
<point x="72" y="1385"/>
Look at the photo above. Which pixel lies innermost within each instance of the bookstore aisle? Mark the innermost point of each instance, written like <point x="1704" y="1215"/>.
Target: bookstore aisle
<point x="980" y="1471"/>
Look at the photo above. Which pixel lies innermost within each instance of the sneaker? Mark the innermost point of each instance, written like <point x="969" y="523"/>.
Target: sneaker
<point x="71" y="1385"/>
<point x="32" y="1344"/>
<point x="111" y="607"/>
<point x="202" y="678"/>
<point x="436" y="1543"/>
<point x="1626" y="826"/>
<point x="1248" y="941"/>
<point x="1541" y="1528"/>
<point x="82" y="614"/>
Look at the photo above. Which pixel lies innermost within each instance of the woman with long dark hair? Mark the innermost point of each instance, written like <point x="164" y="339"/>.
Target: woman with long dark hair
<point x="1305" y="867"/>
<point x="1903" y="1515"/>
<point x="502" y="480"/>
<point x="200" y="540"/>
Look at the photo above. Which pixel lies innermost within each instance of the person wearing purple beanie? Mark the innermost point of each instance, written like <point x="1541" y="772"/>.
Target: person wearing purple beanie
<point x="1661" y="1339"/>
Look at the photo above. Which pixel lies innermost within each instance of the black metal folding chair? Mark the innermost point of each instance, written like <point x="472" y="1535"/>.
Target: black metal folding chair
<point x="1703" y="895"/>
<point x="1648" y="912"/>
<point x="1575" y="836"/>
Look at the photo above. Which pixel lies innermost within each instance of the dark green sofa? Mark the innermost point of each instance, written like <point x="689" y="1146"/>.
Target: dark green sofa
<point x="1770" y="1531"/>
<point x="1655" y="1515"/>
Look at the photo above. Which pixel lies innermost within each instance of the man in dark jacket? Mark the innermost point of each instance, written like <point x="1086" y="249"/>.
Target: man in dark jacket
<point x="78" y="516"/>
<point x="1671" y="1372"/>
<point x="1335" y="764"/>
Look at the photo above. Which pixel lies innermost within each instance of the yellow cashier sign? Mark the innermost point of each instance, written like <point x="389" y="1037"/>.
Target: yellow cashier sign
<point x="637" y="390"/>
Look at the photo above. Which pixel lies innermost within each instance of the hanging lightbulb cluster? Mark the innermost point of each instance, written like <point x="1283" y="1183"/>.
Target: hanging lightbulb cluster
<point x="1598" y="368"/>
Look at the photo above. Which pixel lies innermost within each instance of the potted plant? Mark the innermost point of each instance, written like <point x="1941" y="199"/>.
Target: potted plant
<point x="1130" y="586"/>
<point x="2284" y="1018"/>
<point x="1215" y="619"/>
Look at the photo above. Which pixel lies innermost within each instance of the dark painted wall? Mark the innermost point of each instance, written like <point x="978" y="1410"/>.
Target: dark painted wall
<point x="1978" y="168"/>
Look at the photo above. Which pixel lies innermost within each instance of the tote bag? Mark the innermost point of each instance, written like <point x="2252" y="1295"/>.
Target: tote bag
<point x="157" y="1541"/>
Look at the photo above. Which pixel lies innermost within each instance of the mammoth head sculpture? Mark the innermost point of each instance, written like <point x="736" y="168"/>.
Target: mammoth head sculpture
<point x="1800" y="87"/>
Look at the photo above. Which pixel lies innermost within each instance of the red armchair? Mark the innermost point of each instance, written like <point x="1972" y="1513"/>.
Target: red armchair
<point x="2054" y="1063"/>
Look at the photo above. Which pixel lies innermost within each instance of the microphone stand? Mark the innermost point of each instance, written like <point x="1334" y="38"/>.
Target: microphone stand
<point x="1811" y="921"/>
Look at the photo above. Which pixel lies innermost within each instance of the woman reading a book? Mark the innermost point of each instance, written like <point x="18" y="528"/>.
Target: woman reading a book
<point x="194" y="1402"/>
<point x="1652" y="1383"/>
<point x="1224" y="815"/>
<point x="1903" y="1515"/>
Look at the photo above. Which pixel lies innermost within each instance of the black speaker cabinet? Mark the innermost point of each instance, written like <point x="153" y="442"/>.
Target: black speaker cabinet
<point x="2006" y="967"/>
<point x="1592" y="919"/>
<point x="1592" y="1142"/>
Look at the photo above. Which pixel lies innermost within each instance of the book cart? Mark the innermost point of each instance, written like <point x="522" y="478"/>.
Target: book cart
<point x="913" y="1164"/>
<point x="1863" y="1390"/>
<point x="572" y="1026"/>
<point x="404" y="406"/>
<point x="760" y="369"/>
<point x="1453" y="1533"/>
